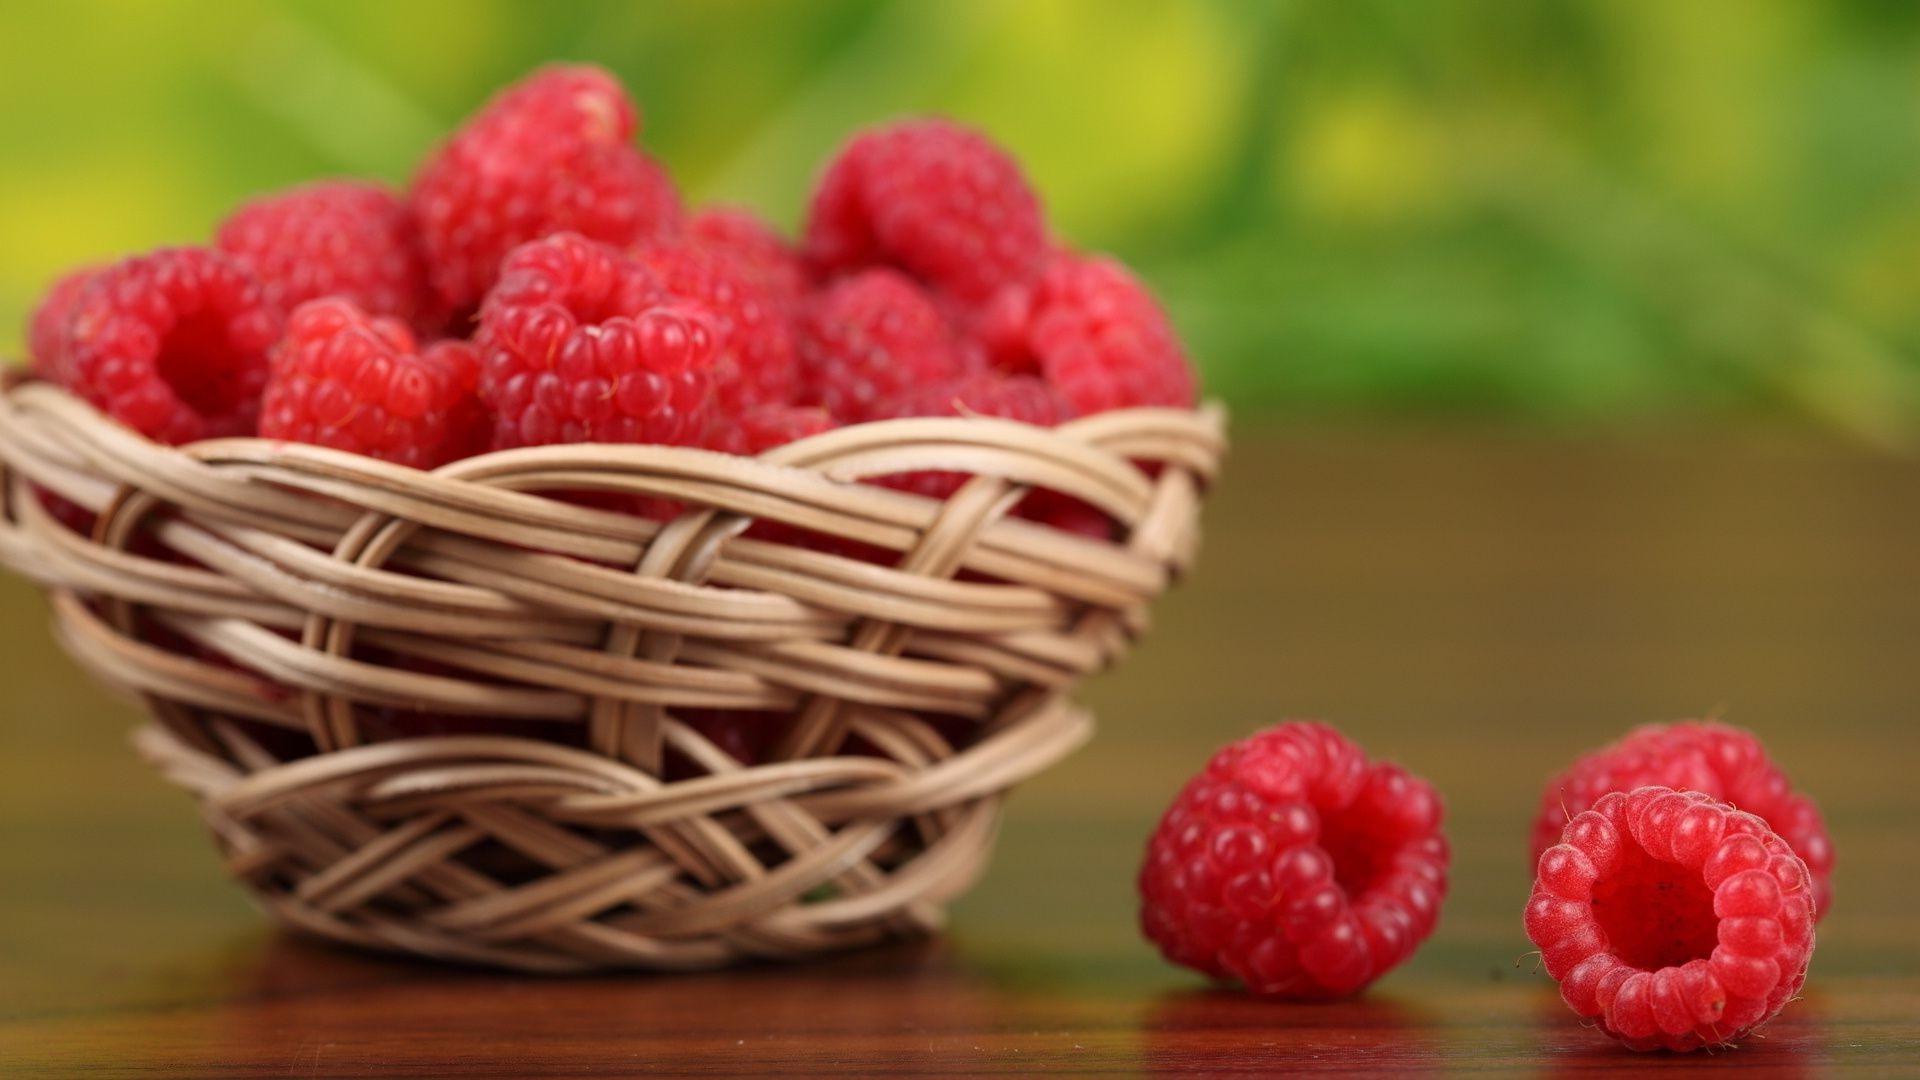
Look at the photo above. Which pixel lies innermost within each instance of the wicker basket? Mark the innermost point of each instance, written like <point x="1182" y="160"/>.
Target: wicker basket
<point x="264" y="599"/>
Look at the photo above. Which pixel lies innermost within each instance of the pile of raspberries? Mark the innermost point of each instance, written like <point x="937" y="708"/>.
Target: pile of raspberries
<point x="1678" y="877"/>
<point x="541" y="281"/>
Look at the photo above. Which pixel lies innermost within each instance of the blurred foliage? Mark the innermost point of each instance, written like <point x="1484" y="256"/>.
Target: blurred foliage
<point x="1615" y="209"/>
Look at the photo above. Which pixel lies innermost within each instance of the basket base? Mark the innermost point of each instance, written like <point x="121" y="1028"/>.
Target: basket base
<point x="519" y="854"/>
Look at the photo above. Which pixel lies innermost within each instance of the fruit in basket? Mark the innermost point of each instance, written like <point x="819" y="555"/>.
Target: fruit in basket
<point x="1296" y="866"/>
<point x="756" y="248"/>
<point x="935" y="199"/>
<point x="753" y="364"/>
<point x="552" y="153"/>
<point x="352" y="381"/>
<point x="345" y="239"/>
<point x="574" y="348"/>
<point x="1093" y="331"/>
<point x="172" y="344"/>
<point x="540" y="236"/>
<point x="870" y="338"/>
<point x="1672" y="919"/>
<point x="1726" y="762"/>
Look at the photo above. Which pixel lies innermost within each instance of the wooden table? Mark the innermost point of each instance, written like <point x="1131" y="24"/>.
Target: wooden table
<point x="1479" y="606"/>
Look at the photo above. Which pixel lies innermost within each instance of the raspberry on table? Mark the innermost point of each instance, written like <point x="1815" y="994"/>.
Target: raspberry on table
<point x="1092" y="330"/>
<point x="931" y="197"/>
<point x="1726" y="762"/>
<point x="1673" y="919"/>
<point x="574" y="349"/>
<point x="755" y="249"/>
<point x="754" y="366"/>
<point x="344" y="238"/>
<point x="552" y="153"/>
<point x="353" y="381"/>
<point x="1296" y="866"/>
<point x="871" y="339"/>
<point x="172" y="344"/>
<point x="47" y="326"/>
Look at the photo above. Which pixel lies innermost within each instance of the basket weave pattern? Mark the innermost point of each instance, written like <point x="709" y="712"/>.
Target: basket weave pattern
<point x="255" y="594"/>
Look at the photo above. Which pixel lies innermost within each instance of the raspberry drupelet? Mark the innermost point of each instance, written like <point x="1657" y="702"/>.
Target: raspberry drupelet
<point x="755" y="249"/>
<point x="47" y="326"/>
<point x="1728" y="763"/>
<point x="1673" y="919"/>
<point x="172" y="344"/>
<point x="933" y="198"/>
<point x="345" y="379"/>
<point x="574" y="349"/>
<point x="754" y="364"/>
<point x="1090" y="328"/>
<point x="334" y="238"/>
<point x="870" y="341"/>
<point x="1296" y="866"/>
<point x="552" y="153"/>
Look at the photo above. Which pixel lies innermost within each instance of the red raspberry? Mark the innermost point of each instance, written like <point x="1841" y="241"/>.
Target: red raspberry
<point x="1296" y="866"/>
<point x="573" y="350"/>
<point x="552" y="153"/>
<point x="870" y="340"/>
<point x="981" y="393"/>
<point x="1093" y="331"/>
<point x="1006" y="397"/>
<point x="1725" y="762"/>
<point x="755" y="365"/>
<point x="936" y="199"/>
<point x="345" y="379"/>
<point x="767" y="427"/>
<point x="342" y="238"/>
<point x="755" y="249"/>
<point x="1673" y="919"/>
<point x="172" y="344"/>
<point x="47" y="326"/>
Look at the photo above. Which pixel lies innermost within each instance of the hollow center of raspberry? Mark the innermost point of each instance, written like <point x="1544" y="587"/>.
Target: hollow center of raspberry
<point x="1358" y="849"/>
<point x="201" y="364"/>
<point x="1656" y="914"/>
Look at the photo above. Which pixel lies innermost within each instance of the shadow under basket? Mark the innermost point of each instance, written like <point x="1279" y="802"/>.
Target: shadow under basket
<point x="484" y="714"/>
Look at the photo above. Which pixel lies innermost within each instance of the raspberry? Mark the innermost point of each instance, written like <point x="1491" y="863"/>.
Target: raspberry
<point x="1725" y="762"/>
<point x="552" y="153"/>
<point x="573" y="350"/>
<point x="172" y="344"/>
<point x="755" y="249"/>
<point x="765" y="428"/>
<point x="1296" y="866"/>
<point x="340" y="238"/>
<point x="933" y="198"/>
<point x="344" y="379"/>
<point x="755" y="364"/>
<point x="1093" y="330"/>
<point x="47" y="326"/>
<point x="868" y="341"/>
<point x="1673" y="919"/>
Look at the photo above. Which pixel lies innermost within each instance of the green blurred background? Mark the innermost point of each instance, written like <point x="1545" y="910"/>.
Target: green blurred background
<point x="1631" y="212"/>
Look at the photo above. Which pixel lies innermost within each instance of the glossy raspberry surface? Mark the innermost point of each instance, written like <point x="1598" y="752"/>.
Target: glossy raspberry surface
<point x="1726" y="762"/>
<point x="1092" y="330"/>
<point x="1296" y="866"/>
<point x="552" y="153"/>
<point x="574" y="348"/>
<point x="346" y="379"/>
<point x="933" y="198"/>
<point x="1673" y="920"/>
<point x="335" y="238"/>
<point x="173" y="344"/>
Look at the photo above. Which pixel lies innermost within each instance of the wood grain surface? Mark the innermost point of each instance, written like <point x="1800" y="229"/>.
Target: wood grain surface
<point x="1479" y="606"/>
